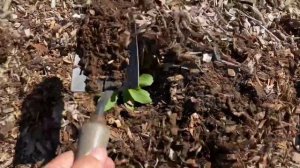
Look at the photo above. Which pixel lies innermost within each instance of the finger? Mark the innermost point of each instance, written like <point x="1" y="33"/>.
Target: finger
<point x="97" y="158"/>
<point x="88" y="162"/>
<point x="109" y="163"/>
<point x="100" y="154"/>
<point x="64" y="160"/>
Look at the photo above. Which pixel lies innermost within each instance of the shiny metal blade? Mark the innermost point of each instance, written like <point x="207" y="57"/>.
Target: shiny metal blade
<point x="133" y="67"/>
<point x="78" y="78"/>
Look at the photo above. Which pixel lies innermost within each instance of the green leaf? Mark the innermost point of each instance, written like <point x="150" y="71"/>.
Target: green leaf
<point x="111" y="102"/>
<point x="140" y="95"/>
<point x="145" y="80"/>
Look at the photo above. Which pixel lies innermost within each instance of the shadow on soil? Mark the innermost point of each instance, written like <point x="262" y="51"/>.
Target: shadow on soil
<point x="40" y="123"/>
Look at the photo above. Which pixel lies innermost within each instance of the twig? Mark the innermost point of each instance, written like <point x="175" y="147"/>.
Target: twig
<point x="276" y="38"/>
<point x="230" y="63"/>
<point x="258" y="13"/>
<point x="163" y="19"/>
<point x="221" y="17"/>
<point x="6" y="5"/>
<point x="260" y="24"/>
<point x="176" y="15"/>
<point x="296" y="38"/>
<point x="195" y="34"/>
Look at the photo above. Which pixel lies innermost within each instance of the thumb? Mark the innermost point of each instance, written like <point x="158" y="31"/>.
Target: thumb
<point x="64" y="160"/>
<point x="96" y="158"/>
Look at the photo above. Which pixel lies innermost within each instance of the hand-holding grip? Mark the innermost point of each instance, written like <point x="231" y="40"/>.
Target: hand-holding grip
<point x="93" y="134"/>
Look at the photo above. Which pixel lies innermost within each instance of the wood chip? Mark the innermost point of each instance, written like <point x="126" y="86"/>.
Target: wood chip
<point x="53" y="4"/>
<point x="174" y="131"/>
<point x="296" y="157"/>
<point x="4" y="157"/>
<point x="175" y="78"/>
<point x="8" y="110"/>
<point x="27" y="32"/>
<point x="118" y="123"/>
<point x="207" y="57"/>
<point x="231" y="72"/>
<point x="129" y="133"/>
<point x="92" y="12"/>
<point x="13" y="16"/>
<point x="17" y="25"/>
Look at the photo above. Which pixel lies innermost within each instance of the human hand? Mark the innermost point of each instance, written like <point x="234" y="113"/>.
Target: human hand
<point x="97" y="159"/>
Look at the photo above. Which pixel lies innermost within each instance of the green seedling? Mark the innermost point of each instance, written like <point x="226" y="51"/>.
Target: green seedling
<point x="133" y="95"/>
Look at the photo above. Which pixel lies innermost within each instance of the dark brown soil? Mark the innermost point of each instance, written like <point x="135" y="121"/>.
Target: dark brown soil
<point x="203" y="114"/>
<point x="102" y="42"/>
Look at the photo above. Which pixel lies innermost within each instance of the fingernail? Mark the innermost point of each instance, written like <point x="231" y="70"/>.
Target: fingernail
<point x="99" y="153"/>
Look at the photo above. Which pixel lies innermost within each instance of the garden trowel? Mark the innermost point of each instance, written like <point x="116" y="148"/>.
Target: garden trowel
<point x="95" y="133"/>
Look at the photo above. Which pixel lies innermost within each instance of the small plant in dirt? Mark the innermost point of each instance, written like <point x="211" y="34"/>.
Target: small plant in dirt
<point x="130" y="96"/>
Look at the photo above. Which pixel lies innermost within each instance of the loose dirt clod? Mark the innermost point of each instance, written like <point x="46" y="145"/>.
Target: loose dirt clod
<point x="102" y="41"/>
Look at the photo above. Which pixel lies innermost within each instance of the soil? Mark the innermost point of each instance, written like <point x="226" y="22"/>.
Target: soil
<point x="208" y="117"/>
<point x="225" y="94"/>
<point x="4" y="46"/>
<point x="101" y="44"/>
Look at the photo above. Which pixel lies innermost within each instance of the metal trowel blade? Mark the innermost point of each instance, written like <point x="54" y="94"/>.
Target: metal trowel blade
<point x="133" y="69"/>
<point x="78" y="78"/>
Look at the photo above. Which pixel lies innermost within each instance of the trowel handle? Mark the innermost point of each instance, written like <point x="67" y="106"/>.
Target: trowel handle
<point x="93" y="134"/>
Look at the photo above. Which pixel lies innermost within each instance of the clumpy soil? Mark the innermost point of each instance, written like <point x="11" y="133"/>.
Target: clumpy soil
<point x="232" y="111"/>
<point x="102" y="42"/>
